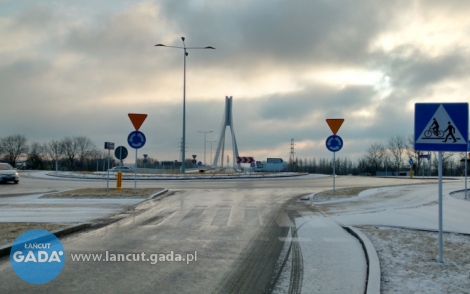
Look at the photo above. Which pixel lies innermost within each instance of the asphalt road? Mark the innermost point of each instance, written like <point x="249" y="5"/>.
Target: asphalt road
<point x="233" y="225"/>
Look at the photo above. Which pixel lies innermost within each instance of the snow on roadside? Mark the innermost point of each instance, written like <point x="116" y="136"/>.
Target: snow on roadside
<point x="409" y="261"/>
<point x="461" y="195"/>
<point x="162" y="176"/>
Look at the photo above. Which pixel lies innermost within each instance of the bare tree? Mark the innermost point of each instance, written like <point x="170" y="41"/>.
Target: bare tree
<point x="446" y="159"/>
<point x="70" y="151"/>
<point x="397" y="147"/>
<point x="412" y="153"/>
<point x="36" y="156"/>
<point x="54" y="150"/>
<point x="85" y="149"/>
<point x="362" y="164"/>
<point x="375" y="155"/>
<point x="13" y="147"/>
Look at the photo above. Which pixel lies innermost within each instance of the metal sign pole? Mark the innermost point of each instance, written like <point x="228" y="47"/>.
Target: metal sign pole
<point x="334" y="172"/>
<point x="135" y="173"/>
<point x="430" y="163"/>
<point x="107" y="182"/>
<point x="120" y="158"/>
<point x="466" y="159"/>
<point x="440" y="207"/>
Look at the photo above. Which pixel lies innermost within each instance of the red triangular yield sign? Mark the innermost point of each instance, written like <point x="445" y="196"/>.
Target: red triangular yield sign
<point x="334" y="124"/>
<point x="137" y="119"/>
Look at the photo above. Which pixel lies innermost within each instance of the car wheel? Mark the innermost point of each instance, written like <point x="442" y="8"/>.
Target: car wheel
<point x="16" y="182"/>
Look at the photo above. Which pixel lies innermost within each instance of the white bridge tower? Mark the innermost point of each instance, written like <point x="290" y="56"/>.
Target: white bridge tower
<point x="227" y="121"/>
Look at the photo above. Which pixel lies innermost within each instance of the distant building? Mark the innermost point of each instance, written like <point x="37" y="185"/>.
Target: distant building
<point x="271" y="165"/>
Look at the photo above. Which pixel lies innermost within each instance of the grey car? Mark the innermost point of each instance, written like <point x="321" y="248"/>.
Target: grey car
<point x="124" y="169"/>
<point x="8" y="173"/>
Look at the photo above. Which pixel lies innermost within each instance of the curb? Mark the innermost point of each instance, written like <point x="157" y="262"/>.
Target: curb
<point x="373" y="264"/>
<point x="58" y="233"/>
<point x="5" y="250"/>
<point x="423" y="230"/>
<point x="176" y="179"/>
<point x="157" y="194"/>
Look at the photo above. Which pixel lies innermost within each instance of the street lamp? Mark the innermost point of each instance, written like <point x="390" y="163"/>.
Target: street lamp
<point x="211" y="151"/>
<point x="183" y="159"/>
<point x="205" y="144"/>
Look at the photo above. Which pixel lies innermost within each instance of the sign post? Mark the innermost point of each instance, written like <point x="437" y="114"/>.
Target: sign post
<point x="334" y="143"/>
<point x="109" y="146"/>
<point x="411" y="167"/>
<point x="136" y="139"/>
<point x="441" y="127"/>
<point x="121" y="154"/>
<point x="466" y="160"/>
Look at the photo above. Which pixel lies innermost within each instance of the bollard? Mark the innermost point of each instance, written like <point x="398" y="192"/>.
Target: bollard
<point x="411" y="173"/>
<point x="119" y="181"/>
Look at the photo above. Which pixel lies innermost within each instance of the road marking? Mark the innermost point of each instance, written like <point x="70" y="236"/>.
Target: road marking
<point x="192" y="216"/>
<point x="332" y="240"/>
<point x="251" y="217"/>
<point x="295" y="239"/>
<point x="282" y="220"/>
<point x="221" y="217"/>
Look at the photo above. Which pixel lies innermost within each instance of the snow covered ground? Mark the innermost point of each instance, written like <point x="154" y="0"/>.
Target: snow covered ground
<point x="162" y="176"/>
<point x="409" y="261"/>
<point x="402" y="224"/>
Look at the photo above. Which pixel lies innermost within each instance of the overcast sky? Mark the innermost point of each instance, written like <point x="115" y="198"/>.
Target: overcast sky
<point x="77" y="68"/>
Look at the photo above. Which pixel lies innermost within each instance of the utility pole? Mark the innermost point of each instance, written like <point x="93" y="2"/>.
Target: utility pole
<point x="292" y="153"/>
<point x="205" y="133"/>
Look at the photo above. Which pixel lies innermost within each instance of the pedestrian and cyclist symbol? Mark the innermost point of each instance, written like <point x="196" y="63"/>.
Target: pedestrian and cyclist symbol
<point x="435" y="133"/>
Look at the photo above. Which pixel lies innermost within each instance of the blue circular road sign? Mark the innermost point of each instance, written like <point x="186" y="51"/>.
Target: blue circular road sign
<point x="411" y="161"/>
<point x="199" y="163"/>
<point x="334" y="143"/>
<point x="136" y="139"/>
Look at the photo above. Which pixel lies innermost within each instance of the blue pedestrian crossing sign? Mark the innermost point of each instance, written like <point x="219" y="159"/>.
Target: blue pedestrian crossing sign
<point x="136" y="139"/>
<point x="441" y="127"/>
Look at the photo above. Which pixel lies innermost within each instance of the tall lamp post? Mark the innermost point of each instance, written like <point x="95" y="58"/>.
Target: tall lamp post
<point x="211" y="151"/>
<point x="205" y="144"/>
<point x="183" y="159"/>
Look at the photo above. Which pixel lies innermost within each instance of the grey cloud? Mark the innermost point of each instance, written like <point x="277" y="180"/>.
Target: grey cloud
<point x="419" y="71"/>
<point x="36" y="18"/>
<point x="330" y="101"/>
<point x="290" y="33"/>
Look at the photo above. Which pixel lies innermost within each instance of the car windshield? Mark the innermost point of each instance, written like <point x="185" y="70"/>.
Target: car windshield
<point x="5" y="166"/>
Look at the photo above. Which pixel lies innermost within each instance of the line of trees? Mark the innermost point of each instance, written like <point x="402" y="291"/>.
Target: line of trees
<point x="80" y="153"/>
<point x="69" y="153"/>
<point x="343" y="166"/>
<point x="394" y="155"/>
<point x="390" y="157"/>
